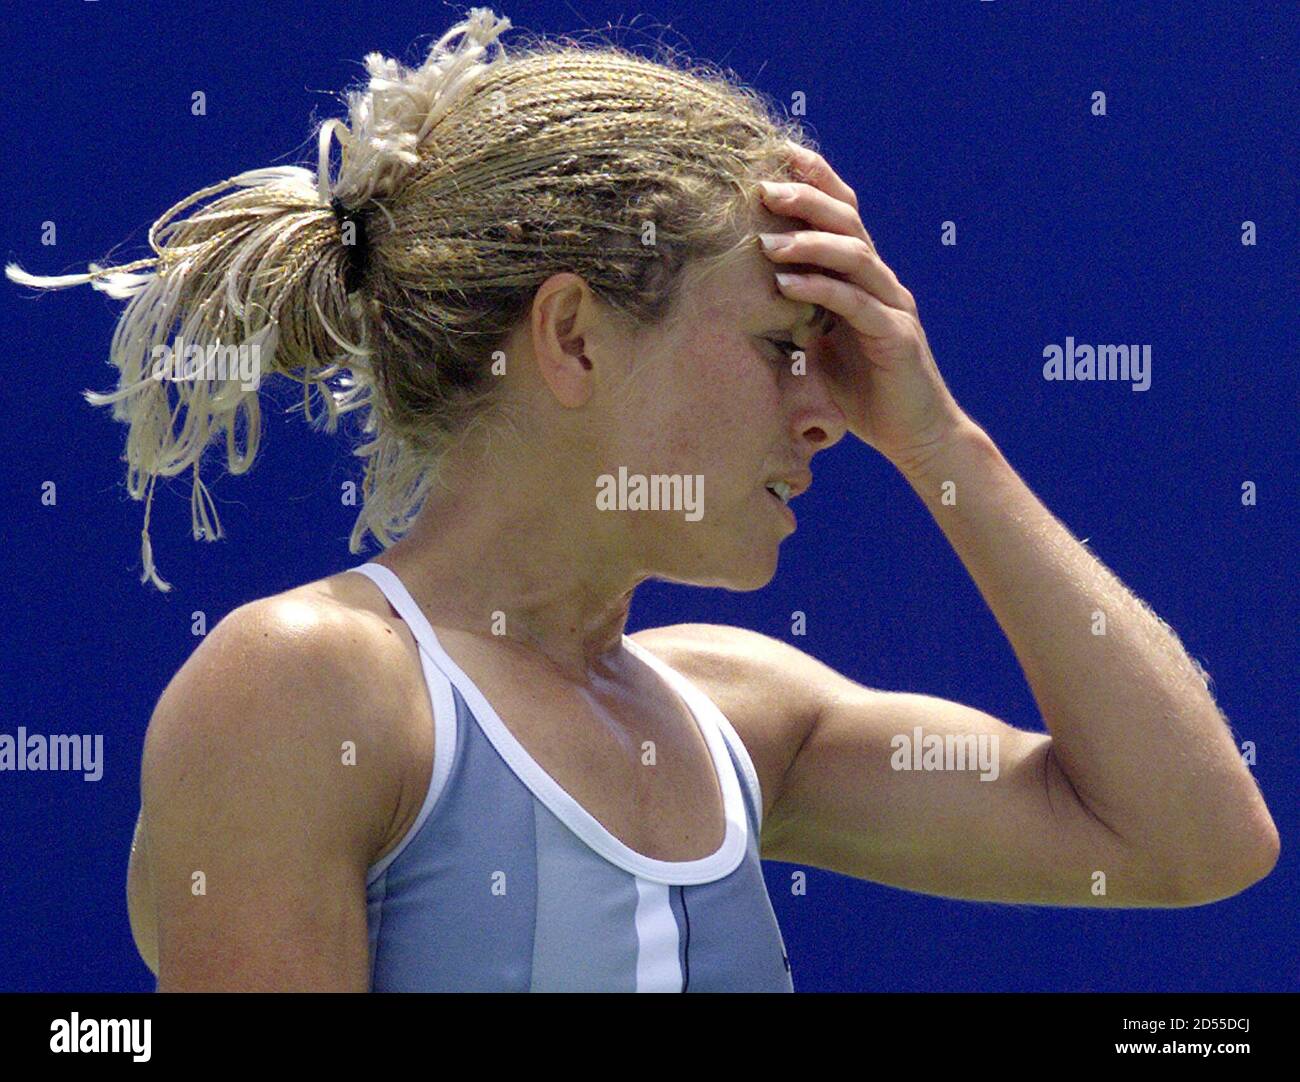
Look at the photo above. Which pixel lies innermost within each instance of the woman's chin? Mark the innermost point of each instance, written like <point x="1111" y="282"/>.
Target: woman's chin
<point x="747" y="571"/>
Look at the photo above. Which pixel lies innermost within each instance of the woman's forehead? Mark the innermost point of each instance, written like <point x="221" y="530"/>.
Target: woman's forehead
<point x="743" y="284"/>
<point x="764" y="296"/>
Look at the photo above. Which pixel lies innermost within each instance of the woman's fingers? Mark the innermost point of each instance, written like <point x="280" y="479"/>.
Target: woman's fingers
<point x="817" y="171"/>
<point x="794" y="199"/>
<point x="862" y="311"/>
<point x="849" y="256"/>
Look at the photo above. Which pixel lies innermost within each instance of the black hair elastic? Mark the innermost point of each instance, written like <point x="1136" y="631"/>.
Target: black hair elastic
<point x="358" y="251"/>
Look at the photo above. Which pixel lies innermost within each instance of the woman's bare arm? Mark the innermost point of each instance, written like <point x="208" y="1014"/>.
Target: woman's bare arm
<point x="267" y="786"/>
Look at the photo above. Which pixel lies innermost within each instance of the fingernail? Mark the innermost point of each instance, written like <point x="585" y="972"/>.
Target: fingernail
<point x="774" y="240"/>
<point x="786" y="280"/>
<point x="774" y="190"/>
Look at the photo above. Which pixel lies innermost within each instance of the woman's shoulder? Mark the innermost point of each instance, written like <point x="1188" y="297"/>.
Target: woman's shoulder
<point x="317" y="662"/>
<point x="335" y="633"/>
<point x="277" y="751"/>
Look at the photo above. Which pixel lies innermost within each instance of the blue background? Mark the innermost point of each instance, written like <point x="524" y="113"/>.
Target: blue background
<point x="1123" y="228"/>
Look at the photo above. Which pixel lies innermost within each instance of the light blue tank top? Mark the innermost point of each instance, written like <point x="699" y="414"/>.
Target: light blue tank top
<point x="504" y="883"/>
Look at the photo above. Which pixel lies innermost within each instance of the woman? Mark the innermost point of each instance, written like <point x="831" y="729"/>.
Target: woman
<point x="540" y="278"/>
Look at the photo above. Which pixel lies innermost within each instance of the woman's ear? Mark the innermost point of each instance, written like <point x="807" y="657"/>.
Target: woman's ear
<point x="562" y="318"/>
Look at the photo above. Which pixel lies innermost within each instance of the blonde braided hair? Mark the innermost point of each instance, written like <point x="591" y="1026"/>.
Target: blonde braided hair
<point x="476" y="178"/>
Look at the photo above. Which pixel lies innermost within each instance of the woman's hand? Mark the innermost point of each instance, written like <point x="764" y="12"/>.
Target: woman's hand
<point x="876" y="359"/>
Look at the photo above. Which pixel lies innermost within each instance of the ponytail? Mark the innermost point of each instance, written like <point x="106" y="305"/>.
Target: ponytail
<point x="265" y="279"/>
<point x="254" y="282"/>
